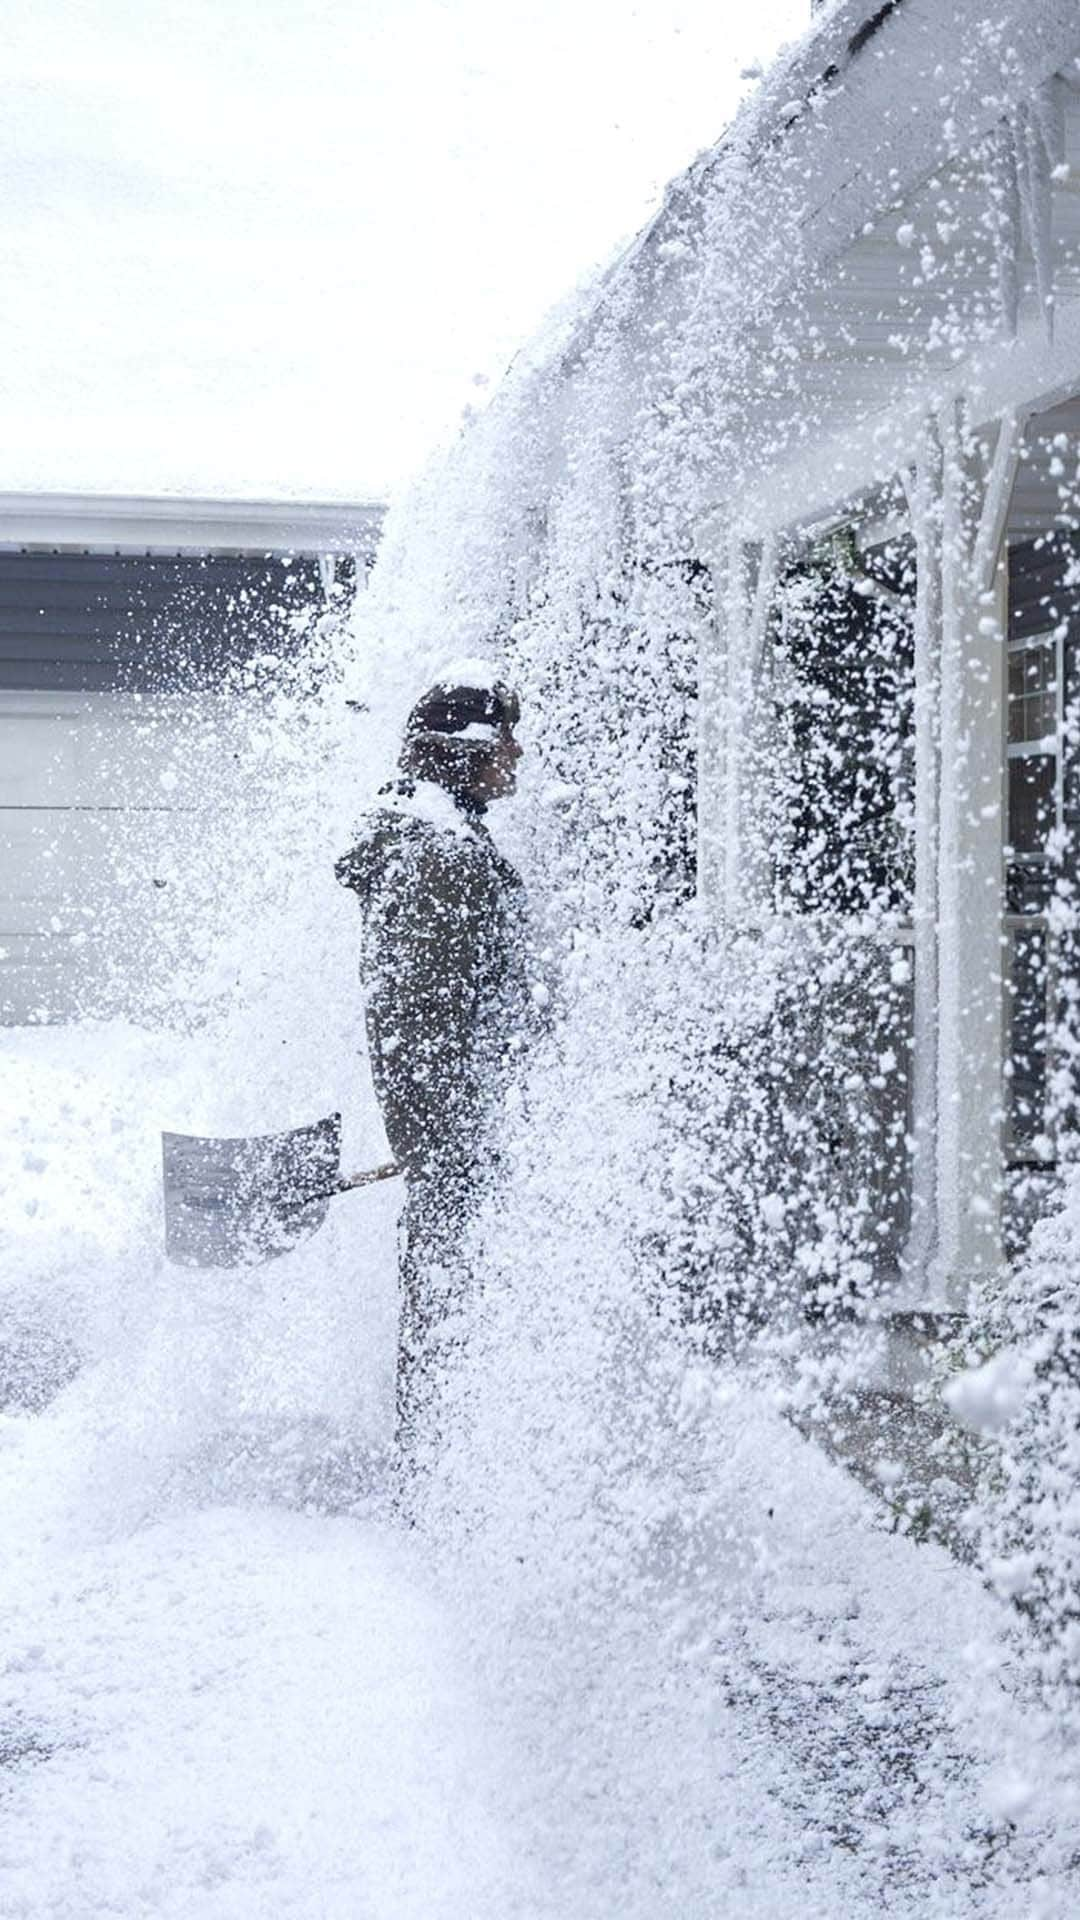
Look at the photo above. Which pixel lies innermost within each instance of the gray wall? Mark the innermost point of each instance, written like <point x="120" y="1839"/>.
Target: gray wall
<point x="93" y="622"/>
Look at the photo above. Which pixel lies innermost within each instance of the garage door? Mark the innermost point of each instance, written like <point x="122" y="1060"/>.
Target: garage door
<point x="116" y="736"/>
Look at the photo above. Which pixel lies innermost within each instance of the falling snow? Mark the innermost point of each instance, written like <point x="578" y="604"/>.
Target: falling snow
<point x="743" y="1576"/>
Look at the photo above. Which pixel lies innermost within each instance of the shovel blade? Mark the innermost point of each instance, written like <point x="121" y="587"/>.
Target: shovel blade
<point x="236" y="1203"/>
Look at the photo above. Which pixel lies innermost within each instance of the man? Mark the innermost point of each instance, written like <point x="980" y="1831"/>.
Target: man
<point x="448" y="1000"/>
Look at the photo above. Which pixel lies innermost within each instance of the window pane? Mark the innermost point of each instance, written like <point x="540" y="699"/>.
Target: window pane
<point x="1042" y="716"/>
<point x="1032" y="780"/>
<point x="1033" y="693"/>
<point x="1027" y="1037"/>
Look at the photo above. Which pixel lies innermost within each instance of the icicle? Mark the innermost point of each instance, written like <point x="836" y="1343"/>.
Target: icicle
<point x="1006" y="220"/>
<point x="1036" y="195"/>
<point x="954" y="748"/>
<point x="713" y="727"/>
<point x="763" y="597"/>
<point x="922" y="487"/>
<point x="1000" y="479"/>
<point x="736" y="715"/>
<point x="1048" y="107"/>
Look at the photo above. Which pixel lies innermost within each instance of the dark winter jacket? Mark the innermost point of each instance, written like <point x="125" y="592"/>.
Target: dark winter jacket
<point x="445" y="971"/>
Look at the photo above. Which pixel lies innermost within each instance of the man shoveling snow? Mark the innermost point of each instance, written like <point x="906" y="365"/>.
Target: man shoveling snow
<point x="444" y="963"/>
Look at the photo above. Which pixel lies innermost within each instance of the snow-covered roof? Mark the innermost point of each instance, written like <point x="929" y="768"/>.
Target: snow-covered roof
<point x="857" y="105"/>
<point x="892" y="217"/>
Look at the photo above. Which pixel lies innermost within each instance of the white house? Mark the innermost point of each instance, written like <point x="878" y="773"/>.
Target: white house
<point x="855" y="325"/>
<point x="106" y="606"/>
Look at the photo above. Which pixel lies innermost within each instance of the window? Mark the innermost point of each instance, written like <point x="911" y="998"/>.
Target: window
<point x="1029" y="1016"/>
<point x="836" y="760"/>
<point x="1034" y="737"/>
<point x="1034" y="733"/>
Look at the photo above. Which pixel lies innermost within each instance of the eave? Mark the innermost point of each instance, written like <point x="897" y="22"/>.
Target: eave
<point x="173" y="523"/>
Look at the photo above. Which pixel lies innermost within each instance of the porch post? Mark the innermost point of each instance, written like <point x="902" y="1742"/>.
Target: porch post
<point x="959" y="514"/>
<point x="970" y="1078"/>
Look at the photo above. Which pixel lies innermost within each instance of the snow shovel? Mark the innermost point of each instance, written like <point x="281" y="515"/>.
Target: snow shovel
<point x="235" y="1203"/>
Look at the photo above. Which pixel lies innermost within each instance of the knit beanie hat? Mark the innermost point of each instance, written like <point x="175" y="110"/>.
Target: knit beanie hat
<point x="469" y="703"/>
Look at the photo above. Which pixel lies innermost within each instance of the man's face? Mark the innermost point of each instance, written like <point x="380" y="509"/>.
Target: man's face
<point x="499" y="776"/>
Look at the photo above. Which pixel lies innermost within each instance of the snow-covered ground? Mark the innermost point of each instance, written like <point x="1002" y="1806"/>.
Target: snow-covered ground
<point x="234" y="1686"/>
<point x="244" y="1712"/>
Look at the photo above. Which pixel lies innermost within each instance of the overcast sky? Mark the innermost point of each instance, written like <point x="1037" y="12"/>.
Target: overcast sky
<point x="273" y="247"/>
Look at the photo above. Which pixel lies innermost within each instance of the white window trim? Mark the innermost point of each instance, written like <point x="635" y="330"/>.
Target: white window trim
<point x="1047" y="743"/>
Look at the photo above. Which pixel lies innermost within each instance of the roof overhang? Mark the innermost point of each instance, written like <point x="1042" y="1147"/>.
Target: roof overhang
<point x="943" y="267"/>
<point x="854" y="111"/>
<point x="172" y="524"/>
<point x="1028" y="376"/>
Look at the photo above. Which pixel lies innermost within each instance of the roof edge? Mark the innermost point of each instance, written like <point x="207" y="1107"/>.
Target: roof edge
<point x="206" y="524"/>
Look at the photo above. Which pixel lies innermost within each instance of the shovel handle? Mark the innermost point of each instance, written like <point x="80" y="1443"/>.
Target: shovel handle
<point x="366" y="1179"/>
<point x="219" y="1203"/>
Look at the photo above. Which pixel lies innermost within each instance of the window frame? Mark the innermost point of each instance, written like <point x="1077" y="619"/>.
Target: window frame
<point x="1047" y="743"/>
